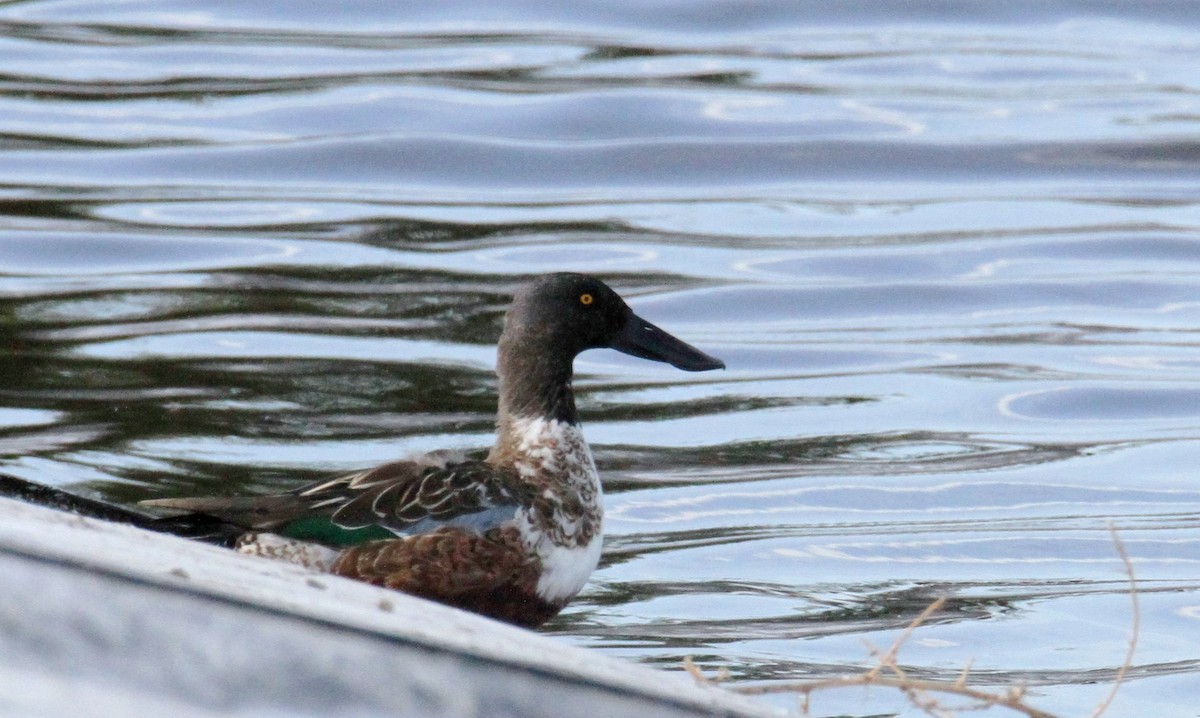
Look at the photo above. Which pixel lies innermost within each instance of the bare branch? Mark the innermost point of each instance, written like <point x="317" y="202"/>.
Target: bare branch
<point x="918" y="690"/>
<point x="690" y="666"/>
<point x="1135" y="628"/>
<point x="888" y="659"/>
<point x="1013" y="699"/>
<point x="966" y="671"/>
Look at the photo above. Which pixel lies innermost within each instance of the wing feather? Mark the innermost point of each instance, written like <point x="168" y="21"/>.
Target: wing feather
<point x="402" y="497"/>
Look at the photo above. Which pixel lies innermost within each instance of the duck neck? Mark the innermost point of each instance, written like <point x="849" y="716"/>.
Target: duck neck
<point x="534" y="384"/>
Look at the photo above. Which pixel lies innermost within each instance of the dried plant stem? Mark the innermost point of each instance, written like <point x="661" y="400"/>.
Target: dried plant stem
<point x="918" y="690"/>
<point x="1013" y="699"/>
<point x="888" y="659"/>
<point x="1135" y="628"/>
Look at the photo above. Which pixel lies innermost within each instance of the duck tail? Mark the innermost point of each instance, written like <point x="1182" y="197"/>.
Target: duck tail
<point x="209" y="529"/>
<point x="249" y="512"/>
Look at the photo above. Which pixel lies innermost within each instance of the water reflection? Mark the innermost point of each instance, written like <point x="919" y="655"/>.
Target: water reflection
<point x="949" y="257"/>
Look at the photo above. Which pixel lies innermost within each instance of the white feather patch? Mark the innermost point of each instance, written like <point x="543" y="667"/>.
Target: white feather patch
<point x="566" y="570"/>
<point x="554" y="454"/>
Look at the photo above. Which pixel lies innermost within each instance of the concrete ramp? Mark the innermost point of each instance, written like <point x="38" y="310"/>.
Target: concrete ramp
<point x="103" y="619"/>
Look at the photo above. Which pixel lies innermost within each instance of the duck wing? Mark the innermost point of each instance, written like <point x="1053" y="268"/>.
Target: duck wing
<point x="471" y="494"/>
<point x="398" y="498"/>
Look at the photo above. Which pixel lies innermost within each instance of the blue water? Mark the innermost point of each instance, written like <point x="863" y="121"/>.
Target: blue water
<point x="949" y="252"/>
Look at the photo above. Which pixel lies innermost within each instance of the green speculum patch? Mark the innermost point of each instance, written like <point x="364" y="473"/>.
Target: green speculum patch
<point x="321" y="530"/>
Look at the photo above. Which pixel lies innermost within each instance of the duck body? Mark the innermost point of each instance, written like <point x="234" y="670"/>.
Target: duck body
<point x="514" y="536"/>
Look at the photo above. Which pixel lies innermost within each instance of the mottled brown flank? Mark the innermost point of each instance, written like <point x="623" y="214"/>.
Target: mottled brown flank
<point x="492" y="574"/>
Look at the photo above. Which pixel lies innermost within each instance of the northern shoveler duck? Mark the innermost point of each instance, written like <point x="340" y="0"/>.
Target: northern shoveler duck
<point x="514" y="536"/>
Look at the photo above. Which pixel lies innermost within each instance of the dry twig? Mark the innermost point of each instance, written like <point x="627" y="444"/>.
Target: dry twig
<point x="1135" y="628"/>
<point x="1013" y="699"/>
<point x="690" y="666"/>
<point x="917" y="690"/>
<point x="888" y="659"/>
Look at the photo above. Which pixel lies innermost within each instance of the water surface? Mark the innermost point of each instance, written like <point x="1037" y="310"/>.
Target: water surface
<point x="949" y="255"/>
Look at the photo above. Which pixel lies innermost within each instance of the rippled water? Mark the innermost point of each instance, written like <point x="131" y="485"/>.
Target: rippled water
<point x="949" y="253"/>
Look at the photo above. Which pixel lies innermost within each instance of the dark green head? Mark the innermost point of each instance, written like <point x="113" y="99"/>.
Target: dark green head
<point x="557" y="316"/>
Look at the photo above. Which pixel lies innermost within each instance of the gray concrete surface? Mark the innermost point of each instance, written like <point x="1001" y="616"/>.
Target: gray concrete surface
<point x="102" y="619"/>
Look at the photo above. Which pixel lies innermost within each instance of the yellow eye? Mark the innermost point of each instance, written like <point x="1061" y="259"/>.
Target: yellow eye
<point x="586" y="299"/>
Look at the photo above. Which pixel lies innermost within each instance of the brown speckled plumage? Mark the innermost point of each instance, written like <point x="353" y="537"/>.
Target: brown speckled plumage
<point x="490" y="574"/>
<point x="556" y="463"/>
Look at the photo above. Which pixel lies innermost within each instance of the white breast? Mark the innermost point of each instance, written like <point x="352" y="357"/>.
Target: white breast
<point x="566" y="570"/>
<point x="554" y="456"/>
